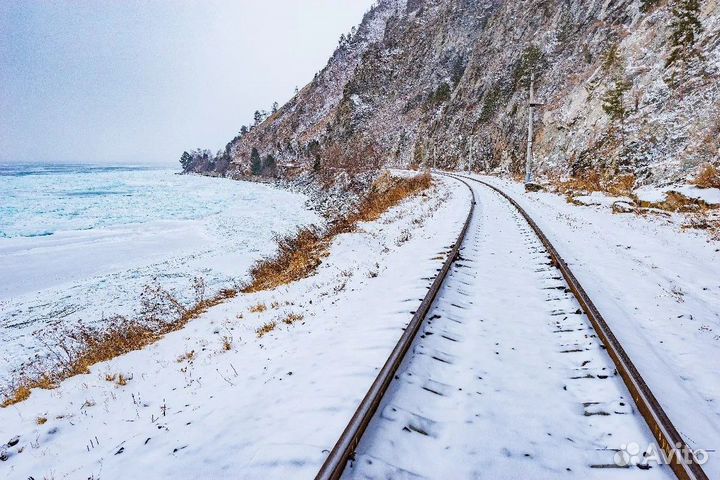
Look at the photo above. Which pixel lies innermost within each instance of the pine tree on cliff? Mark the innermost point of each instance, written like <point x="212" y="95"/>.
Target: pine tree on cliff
<point x="270" y="165"/>
<point x="613" y="102"/>
<point x="255" y="162"/>
<point x="686" y="29"/>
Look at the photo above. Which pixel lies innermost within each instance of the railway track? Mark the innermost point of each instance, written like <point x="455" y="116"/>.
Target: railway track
<point x="506" y="368"/>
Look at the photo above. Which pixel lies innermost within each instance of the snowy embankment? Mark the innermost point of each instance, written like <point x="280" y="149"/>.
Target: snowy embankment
<point x="214" y="400"/>
<point x="658" y="287"/>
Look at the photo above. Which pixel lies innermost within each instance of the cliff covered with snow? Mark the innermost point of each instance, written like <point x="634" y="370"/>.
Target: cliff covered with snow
<point x="627" y="85"/>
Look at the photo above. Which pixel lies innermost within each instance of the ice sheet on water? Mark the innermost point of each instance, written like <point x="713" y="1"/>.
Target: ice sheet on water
<point x="80" y="242"/>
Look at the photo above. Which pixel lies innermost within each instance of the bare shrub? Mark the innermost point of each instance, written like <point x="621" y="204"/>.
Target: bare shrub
<point x="199" y="287"/>
<point x="158" y="304"/>
<point x="404" y="237"/>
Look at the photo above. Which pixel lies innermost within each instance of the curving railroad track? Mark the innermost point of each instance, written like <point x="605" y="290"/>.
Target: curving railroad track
<point x="507" y="368"/>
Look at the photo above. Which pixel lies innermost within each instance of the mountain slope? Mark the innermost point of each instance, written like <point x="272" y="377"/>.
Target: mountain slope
<point x="446" y="82"/>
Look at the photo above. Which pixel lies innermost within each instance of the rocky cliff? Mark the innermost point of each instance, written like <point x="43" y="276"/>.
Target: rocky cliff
<point x="627" y="86"/>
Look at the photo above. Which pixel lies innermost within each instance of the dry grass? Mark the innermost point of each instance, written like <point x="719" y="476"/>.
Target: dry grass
<point x="186" y="357"/>
<point x="386" y="192"/>
<point x="709" y="177"/>
<point x="265" y="329"/>
<point x="298" y="256"/>
<point x="677" y="202"/>
<point x="17" y="395"/>
<point x="595" y="181"/>
<point x="587" y="182"/>
<point x="41" y="420"/>
<point x="292" y="318"/>
<point x="75" y="350"/>
<point x="227" y="342"/>
<point x="259" y="308"/>
<point x="621" y="185"/>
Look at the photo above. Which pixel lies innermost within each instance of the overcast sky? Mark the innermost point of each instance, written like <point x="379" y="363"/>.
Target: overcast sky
<point x="118" y="81"/>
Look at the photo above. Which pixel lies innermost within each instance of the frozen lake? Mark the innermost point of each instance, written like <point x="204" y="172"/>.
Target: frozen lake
<point x="81" y="242"/>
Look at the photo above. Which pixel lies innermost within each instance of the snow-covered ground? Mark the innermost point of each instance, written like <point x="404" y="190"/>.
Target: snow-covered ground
<point x="268" y="407"/>
<point x="80" y="242"/>
<point x="652" y="194"/>
<point x="658" y="287"/>
<point x="214" y="400"/>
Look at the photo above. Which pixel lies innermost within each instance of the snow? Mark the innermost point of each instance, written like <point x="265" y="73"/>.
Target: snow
<point x="708" y="195"/>
<point x="102" y="249"/>
<point x="650" y="194"/>
<point x="657" y="286"/>
<point x="711" y="196"/>
<point x="267" y="408"/>
<point x="599" y="198"/>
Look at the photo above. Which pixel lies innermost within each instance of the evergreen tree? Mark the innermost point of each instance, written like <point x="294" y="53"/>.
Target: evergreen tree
<point x="243" y="130"/>
<point x="270" y="165"/>
<point x="613" y="101"/>
<point x="441" y="94"/>
<point x="258" y="117"/>
<point x="255" y="162"/>
<point x="612" y="60"/>
<point x="274" y="107"/>
<point x="185" y="160"/>
<point x="686" y="28"/>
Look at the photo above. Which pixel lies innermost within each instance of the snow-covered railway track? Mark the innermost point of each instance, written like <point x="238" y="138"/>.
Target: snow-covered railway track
<point x="500" y="373"/>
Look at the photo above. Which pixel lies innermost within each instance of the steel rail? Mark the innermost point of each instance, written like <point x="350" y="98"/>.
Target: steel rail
<point x="336" y="461"/>
<point x="669" y="439"/>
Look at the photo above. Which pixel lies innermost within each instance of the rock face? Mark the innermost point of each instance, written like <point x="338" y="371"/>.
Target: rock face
<point x="445" y="82"/>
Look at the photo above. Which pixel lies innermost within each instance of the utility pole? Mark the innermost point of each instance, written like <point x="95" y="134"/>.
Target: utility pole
<point x="532" y="102"/>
